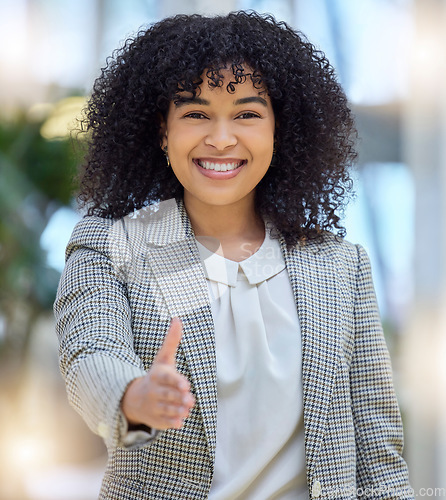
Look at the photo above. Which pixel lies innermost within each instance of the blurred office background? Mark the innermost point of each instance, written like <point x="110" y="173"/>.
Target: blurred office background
<point x="389" y="56"/>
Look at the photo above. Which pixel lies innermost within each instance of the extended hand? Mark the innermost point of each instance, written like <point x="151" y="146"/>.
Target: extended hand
<point x="162" y="398"/>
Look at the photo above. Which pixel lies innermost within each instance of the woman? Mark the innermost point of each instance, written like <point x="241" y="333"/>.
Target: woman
<point x="213" y="330"/>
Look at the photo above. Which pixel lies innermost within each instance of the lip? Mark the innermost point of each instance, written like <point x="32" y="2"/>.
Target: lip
<point x="214" y="174"/>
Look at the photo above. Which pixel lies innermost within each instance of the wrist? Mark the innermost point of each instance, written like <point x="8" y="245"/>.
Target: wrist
<point x="130" y="403"/>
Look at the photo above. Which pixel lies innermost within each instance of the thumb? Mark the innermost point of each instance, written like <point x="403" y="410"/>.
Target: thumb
<point x="167" y="352"/>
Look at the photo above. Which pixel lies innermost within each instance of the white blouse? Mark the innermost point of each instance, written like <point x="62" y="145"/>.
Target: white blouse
<point x="260" y="440"/>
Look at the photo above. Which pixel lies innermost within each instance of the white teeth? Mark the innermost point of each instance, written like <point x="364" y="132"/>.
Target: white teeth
<point x="219" y="167"/>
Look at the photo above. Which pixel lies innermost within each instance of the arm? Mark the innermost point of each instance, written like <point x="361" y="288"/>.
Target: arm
<point x="378" y="426"/>
<point x="93" y="323"/>
<point x="97" y="358"/>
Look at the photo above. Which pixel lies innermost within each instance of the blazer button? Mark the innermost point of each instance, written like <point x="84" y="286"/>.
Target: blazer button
<point x="316" y="489"/>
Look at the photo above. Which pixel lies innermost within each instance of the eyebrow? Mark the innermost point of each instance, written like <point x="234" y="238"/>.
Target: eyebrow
<point x="248" y="100"/>
<point x="183" y="101"/>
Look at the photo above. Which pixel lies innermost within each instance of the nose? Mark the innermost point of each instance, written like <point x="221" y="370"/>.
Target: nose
<point x="220" y="135"/>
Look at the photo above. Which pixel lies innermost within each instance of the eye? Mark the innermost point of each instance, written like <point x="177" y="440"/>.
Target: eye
<point x="195" y="115"/>
<point x="248" y="114"/>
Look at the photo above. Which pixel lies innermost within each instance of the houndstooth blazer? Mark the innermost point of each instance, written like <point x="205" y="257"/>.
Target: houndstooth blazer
<point x="123" y="282"/>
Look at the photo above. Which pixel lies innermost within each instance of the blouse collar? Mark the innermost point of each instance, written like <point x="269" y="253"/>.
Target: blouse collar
<point x="260" y="266"/>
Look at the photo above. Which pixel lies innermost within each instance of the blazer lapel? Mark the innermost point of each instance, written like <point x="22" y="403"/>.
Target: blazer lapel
<point x="314" y="281"/>
<point x="175" y="262"/>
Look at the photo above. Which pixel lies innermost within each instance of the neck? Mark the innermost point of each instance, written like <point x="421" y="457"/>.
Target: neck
<point x="225" y="223"/>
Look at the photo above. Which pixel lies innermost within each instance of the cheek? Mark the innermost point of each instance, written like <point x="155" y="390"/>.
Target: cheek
<point x="264" y="137"/>
<point x="264" y="146"/>
<point x="182" y="142"/>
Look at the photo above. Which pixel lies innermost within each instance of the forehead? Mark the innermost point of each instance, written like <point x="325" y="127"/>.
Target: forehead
<point x="206" y="95"/>
<point x="227" y="77"/>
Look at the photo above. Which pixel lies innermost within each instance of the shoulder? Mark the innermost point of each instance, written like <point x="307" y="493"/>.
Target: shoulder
<point x="333" y="252"/>
<point x="334" y="248"/>
<point x="91" y="231"/>
<point x="158" y="224"/>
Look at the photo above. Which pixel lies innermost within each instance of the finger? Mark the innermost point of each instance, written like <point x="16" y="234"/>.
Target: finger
<point x="172" y="411"/>
<point x="172" y="379"/>
<point x="163" y="423"/>
<point x="168" y="395"/>
<point x="169" y="378"/>
<point x="173" y="398"/>
<point x="167" y="352"/>
<point x="175" y="423"/>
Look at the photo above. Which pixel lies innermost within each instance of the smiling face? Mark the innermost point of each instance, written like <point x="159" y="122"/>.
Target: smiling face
<point x="220" y="144"/>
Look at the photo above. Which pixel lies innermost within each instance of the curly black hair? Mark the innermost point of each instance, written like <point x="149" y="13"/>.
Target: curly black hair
<point x="125" y="168"/>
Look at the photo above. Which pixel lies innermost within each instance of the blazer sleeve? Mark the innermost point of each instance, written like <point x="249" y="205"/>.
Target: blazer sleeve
<point x="378" y="426"/>
<point x="93" y="323"/>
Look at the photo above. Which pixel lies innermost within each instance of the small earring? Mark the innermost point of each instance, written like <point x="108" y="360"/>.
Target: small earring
<point x="167" y="157"/>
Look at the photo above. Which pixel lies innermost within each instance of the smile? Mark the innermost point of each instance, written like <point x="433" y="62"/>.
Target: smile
<point x="220" y="167"/>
